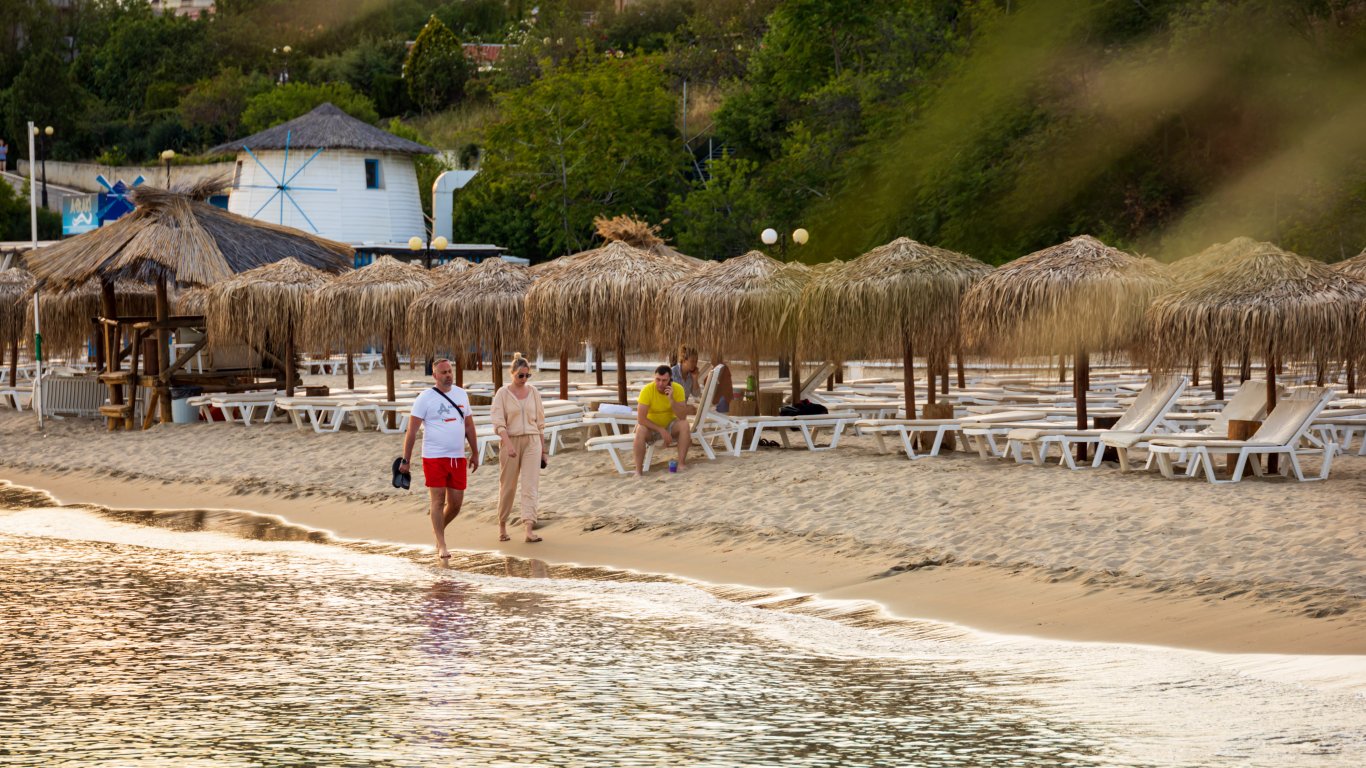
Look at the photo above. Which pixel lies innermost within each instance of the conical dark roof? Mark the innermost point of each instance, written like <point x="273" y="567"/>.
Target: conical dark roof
<point x="326" y="127"/>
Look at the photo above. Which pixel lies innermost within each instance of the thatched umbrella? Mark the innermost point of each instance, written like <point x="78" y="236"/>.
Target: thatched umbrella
<point x="1190" y="269"/>
<point x="1354" y="267"/>
<point x="890" y="302"/>
<point x="1081" y="296"/>
<point x="66" y="314"/>
<point x="453" y="267"/>
<point x="1266" y="300"/>
<point x="368" y="307"/>
<point x="191" y="301"/>
<point x="265" y="303"/>
<point x="15" y="285"/>
<point x="483" y="305"/>
<point x="643" y="235"/>
<point x="747" y="304"/>
<point x="177" y="237"/>
<point x="610" y="296"/>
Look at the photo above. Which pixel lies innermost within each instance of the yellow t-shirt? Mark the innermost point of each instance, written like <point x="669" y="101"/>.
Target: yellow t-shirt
<point x="660" y="404"/>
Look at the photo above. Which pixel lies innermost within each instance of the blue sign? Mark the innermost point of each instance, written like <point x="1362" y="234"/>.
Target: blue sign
<point x="80" y="213"/>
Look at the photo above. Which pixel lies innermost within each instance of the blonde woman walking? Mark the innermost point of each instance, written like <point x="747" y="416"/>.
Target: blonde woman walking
<point x="519" y="421"/>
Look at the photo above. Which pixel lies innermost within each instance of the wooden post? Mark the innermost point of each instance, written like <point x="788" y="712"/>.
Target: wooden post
<point x="931" y="368"/>
<point x="1216" y="376"/>
<point x="390" y="363"/>
<point x="621" y="370"/>
<point x="796" y="377"/>
<point x="1272" y="364"/>
<point x="1322" y="371"/>
<point x="497" y="365"/>
<point x="1245" y="368"/>
<point x="109" y="309"/>
<point x="135" y="346"/>
<point x="1082" y="376"/>
<point x="1195" y="373"/>
<point x="1062" y="370"/>
<point x="597" y="363"/>
<point x="908" y="372"/>
<point x="1351" y="377"/>
<point x="839" y="373"/>
<point x="291" y="376"/>
<point x="944" y="374"/>
<point x="564" y="374"/>
<point x="163" y="349"/>
<point x="962" y="372"/>
<point x="14" y="359"/>
<point x="1239" y="429"/>
<point x="459" y="364"/>
<point x="350" y="370"/>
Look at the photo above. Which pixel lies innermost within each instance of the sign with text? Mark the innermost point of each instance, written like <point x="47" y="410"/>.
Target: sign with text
<point x="80" y="213"/>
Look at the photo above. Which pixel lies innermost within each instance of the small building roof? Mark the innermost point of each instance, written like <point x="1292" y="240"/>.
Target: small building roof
<point x="326" y="127"/>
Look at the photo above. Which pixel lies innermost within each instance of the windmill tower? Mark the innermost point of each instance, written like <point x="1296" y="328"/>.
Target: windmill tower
<point x="329" y="174"/>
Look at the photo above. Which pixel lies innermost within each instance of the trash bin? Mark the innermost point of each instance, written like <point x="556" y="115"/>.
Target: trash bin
<point x="181" y="412"/>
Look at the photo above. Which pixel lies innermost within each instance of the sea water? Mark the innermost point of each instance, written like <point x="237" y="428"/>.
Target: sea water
<point x="227" y="639"/>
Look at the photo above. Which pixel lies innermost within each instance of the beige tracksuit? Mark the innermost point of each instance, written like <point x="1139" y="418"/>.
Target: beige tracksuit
<point x="520" y="423"/>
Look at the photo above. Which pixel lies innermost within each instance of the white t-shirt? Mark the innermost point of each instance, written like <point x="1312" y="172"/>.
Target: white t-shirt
<point x="443" y="428"/>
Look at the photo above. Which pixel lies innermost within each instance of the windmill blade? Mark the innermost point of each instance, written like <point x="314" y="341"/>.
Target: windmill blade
<point x="302" y="167"/>
<point x="301" y="212"/>
<point x="267" y="202"/>
<point x="263" y="166"/>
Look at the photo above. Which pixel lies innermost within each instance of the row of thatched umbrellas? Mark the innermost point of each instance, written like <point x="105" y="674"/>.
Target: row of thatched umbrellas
<point x="902" y="299"/>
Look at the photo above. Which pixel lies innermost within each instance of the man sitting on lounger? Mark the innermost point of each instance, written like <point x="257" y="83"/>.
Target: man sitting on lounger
<point x="662" y="413"/>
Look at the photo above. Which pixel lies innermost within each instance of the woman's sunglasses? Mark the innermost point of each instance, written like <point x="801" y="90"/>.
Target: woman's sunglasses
<point x="523" y="376"/>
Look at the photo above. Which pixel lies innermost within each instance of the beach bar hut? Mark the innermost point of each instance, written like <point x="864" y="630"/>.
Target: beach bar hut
<point x="482" y="306"/>
<point x="741" y="306"/>
<point x="368" y="307"/>
<point x="170" y="237"/>
<point x="1078" y="297"/>
<point x="610" y="297"/>
<point x="68" y="316"/>
<point x="1276" y="304"/>
<point x="894" y="301"/>
<point x="15" y="285"/>
<point x="264" y="306"/>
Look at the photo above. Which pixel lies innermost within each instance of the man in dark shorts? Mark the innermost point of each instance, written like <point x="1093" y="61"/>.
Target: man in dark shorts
<point x="443" y="413"/>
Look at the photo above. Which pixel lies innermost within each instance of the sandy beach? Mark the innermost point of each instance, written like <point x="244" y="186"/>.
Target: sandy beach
<point x="1266" y="566"/>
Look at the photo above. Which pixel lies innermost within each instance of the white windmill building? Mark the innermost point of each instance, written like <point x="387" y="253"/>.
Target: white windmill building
<point x="332" y="175"/>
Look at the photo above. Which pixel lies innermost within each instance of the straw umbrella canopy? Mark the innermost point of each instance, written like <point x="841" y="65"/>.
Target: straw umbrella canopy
<point x="15" y="286"/>
<point x="1266" y="301"/>
<point x="609" y="296"/>
<point x="747" y="305"/>
<point x="1078" y="297"/>
<point x="453" y="267"/>
<point x="176" y="236"/>
<point x="265" y="303"/>
<point x="1354" y="267"/>
<point x="191" y="301"/>
<point x="368" y="307"/>
<point x="483" y="305"/>
<point x="893" y="301"/>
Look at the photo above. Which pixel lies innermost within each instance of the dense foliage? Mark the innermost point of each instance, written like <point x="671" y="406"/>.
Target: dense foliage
<point x="992" y="127"/>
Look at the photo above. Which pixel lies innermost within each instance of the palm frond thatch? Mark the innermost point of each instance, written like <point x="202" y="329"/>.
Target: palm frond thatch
<point x="608" y="296"/>
<point x="640" y="234"/>
<point x="362" y="308"/>
<point x="67" y="315"/>
<point x="175" y="235"/>
<point x="897" y="293"/>
<point x="1192" y="267"/>
<point x="746" y="305"/>
<point x="16" y="285"/>
<point x="1355" y="266"/>
<point x="1081" y="295"/>
<point x="1263" y="302"/>
<point x="482" y="306"/>
<point x="453" y="267"/>
<point x="263" y="303"/>
<point x="191" y="301"/>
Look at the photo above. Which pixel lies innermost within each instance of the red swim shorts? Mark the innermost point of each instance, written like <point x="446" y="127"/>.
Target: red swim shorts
<point x="444" y="473"/>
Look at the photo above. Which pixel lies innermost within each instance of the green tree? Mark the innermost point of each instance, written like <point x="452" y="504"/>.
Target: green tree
<point x="719" y="216"/>
<point x="592" y="138"/>
<point x="286" y="102"/>
<point x="213" y="107"/>
<point x="15" y="223"/>
<point x="435" y="69"/>
<point x="428" y="167"/>
<point x="44" y="93"/>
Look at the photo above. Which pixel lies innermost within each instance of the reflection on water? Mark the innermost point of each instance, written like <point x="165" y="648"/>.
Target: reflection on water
<point x="126" y="644"/>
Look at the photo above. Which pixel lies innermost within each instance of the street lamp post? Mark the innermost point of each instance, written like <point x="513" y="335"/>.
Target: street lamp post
<point x="770" y="237"/>
<point x="284" y="73"/>
<point x="44" y="136"/>
<point x="439" y="243"/>
<point x="167" y="155"/>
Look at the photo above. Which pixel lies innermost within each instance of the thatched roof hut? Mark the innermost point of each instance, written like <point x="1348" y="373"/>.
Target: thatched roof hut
<point x="894" y="301"/>
<point x="746" y="306"/>
<point x="609" y="297"/>
<point x="66" y="314"/>
<point x="191" y="301"/>
<point x="484" y="305"/>
<point x="1265" y="302"/>
<point x="178" y="237"/>
<point x="1192" y="267"/>
<point x="453" y="267"/>
<point x="325" y="126"/>
<point x="367" y="307"/>
<point x="265" y="303"/>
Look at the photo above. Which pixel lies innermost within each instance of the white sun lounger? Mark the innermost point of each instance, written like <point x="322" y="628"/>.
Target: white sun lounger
<point x="241" y="407"/>
<point x="1146" y="414"/>
<point x="323" y="414"/>
<point x="1248" y="403"/>
<point x="18" y="397"/>
<point x="1285" y="431"/>
<point x="908" y="429"/>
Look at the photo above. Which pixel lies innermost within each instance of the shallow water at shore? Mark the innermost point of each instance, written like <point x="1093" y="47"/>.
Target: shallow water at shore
<point x="230" y="639"/>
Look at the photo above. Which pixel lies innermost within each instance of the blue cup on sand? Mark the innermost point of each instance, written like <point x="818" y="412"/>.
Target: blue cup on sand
<point x="673" y="465"/>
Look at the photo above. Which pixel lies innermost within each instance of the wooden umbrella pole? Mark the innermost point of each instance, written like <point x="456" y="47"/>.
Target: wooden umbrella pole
<point x="1271" y="365"/>
<point x="931" y="368"/>
<point x="1083" y="379"/>
<point x="497" y="365"/>
<point x="944" y="374"/>
<point x="796" y="378"/>
<point x="1322" y="370"/>
<point x="597" y="363"/>
<point x="1062" y="369"/>
<point x="350" y="370"/>
<point x="163" y="349"/>
<point x="1195" y="373"/>
<point x="291" y="375"/>
<point x="1245" y="368"/>
<point x="14" y="360"/>
<point x="962" y="371"/>
<point x="564" y="374"/>
<point x="1216" y="376"/>
<point x="459" y="364"/>
<point x="621" y="370"/>
<point x="908" y="371"/>
<point x="1351" y="376"/>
